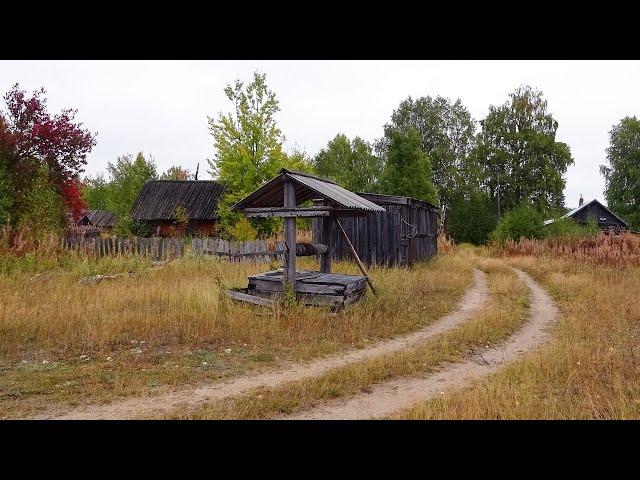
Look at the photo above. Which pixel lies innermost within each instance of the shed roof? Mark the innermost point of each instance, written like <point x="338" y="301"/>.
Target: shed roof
<point x="158" y="199"/>
<point x="583" y="206"/>
<point x="307" y="187"/>
<point x="100" y="218"/>
<point x="384" y="199"/>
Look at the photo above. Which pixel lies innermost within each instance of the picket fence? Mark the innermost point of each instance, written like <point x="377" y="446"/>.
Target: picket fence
<point x="161" y="249"/>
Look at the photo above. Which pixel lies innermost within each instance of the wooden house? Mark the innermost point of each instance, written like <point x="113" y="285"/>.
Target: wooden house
<point x="103" y="220"/>
<point x="287" y="195"/>
<point x="404" y="233"/>
<point x="159" y="200"/>
<point x="605" y="218"/>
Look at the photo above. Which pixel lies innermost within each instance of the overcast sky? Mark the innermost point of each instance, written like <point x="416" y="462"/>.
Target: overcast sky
<point x="161" y="107"/>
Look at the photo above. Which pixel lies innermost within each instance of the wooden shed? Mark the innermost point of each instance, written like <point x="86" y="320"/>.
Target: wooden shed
<point x="404" y="233"/>
<point x="158" y="200"/>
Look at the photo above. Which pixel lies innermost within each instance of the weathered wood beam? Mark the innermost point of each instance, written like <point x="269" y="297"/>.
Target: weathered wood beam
<point x="355" y="255"/>
<point x="326" y="238"/>
<point x="288" y="213"/>
<point x="290" y="236"/>
<point x="244" y="297"/>
<point x="287" y="209"/>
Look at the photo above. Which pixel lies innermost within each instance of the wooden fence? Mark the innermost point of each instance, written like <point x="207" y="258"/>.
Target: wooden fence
<point x="158" y="249"/>
<point x="161" y="249"/>
<point x="253" y="250"/>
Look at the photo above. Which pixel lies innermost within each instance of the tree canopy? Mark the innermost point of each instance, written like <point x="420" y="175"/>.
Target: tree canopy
<point x="446" y="132"/>
<point x="176" y="172"/>
<point x="517" y="149"/>
<point x="118" y="194"/>
<point x="350" y="163"/>
<point x="407" y="169"/>
<point x="247" y="148"/>
<point x="39" y="151"/>
<point x="622" y="174"/>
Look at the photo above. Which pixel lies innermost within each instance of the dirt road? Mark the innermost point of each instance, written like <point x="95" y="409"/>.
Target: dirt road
<point x="389" y="397"/>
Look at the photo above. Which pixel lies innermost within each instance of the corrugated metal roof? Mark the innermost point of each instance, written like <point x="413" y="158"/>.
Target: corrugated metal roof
<point x="307" y="186"/>
<point x="158" y="199"/>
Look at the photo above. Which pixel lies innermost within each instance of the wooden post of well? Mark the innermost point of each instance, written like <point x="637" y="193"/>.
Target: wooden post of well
<point x="290" y="237"/>
<point x="326" y="238"/>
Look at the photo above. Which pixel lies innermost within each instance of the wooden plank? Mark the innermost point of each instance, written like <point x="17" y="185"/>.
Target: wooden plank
<point x="301" y="287"/>
<point x="244" y="297"/>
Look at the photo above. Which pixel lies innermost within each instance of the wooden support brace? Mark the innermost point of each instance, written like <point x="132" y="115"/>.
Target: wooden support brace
<point x="355" y="255"/>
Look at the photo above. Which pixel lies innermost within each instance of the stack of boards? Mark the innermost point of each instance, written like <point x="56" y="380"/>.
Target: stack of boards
<point x="312" y="288"/>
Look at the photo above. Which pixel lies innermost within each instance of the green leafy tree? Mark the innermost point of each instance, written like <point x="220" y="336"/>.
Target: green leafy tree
<point x="126" y="178"/>
<point x="471" y="219"/>
<point x="446" y="131"/>
<point x="350" y="163"/>
<point x="181" y="218"/>
<point x="622" y="174"/>
<point x="407" y="169"/>
<point x="523" y="221"/>
<point x="128" y="175"/>
<point x="176" y="172"/>
<point x="44" y="205"/>
<point x="6" y="197"/>
<point x="298" y="160"/>
<point x="517" y="150"/>
<point x="248" y="147"/>
<point x="97" y="192"/>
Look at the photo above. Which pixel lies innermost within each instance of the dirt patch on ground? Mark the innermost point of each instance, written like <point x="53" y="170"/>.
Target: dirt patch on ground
<point x="389" y="397"/>
<point x="472" y="301"/>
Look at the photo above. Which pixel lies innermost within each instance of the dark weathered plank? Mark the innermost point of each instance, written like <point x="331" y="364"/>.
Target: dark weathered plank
<point x="244" y="297"/>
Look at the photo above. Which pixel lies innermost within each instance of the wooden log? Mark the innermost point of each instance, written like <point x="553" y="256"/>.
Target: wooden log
<point x="355" y="255"/>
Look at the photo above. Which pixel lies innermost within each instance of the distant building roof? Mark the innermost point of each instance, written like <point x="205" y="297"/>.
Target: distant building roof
<point x="100" y="218"/>
<point x="582" y="207"/>
<point x="307" y="187"/>
<point x="158" y="199"/>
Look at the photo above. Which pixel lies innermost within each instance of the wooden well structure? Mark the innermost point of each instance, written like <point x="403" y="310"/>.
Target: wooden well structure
<point x="283" y="196"/>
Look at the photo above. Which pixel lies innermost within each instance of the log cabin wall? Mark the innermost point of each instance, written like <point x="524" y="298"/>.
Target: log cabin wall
<point x="406" y="232"/>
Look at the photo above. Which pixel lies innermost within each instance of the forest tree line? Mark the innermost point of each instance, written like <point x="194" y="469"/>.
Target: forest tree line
<point x="508" y="165"/>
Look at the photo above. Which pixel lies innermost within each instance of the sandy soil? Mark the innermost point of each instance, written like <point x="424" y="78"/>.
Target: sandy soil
<point x="389" y="397"/>
<point x="472" y="301"/>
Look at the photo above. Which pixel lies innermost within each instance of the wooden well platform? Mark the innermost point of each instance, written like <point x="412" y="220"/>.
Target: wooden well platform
<point x="312" y="288"/>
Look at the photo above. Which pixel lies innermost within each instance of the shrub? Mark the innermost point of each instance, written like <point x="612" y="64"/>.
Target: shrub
<point x="471" y="220"/>
<point x="523" y="221"/>
<point x="567" y="227"/>
<point x="243" y="230"/>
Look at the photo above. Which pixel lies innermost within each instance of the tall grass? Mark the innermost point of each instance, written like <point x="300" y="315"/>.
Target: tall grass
<point x="591" y="368"/>
<point x="179" y="315"/>
<point x="616" y="250"/>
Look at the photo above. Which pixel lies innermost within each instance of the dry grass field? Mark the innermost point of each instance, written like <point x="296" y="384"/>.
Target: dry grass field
<point x="503" y="315"/>
<point x="591" y="368"/>
<point x="63" y="343"/>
